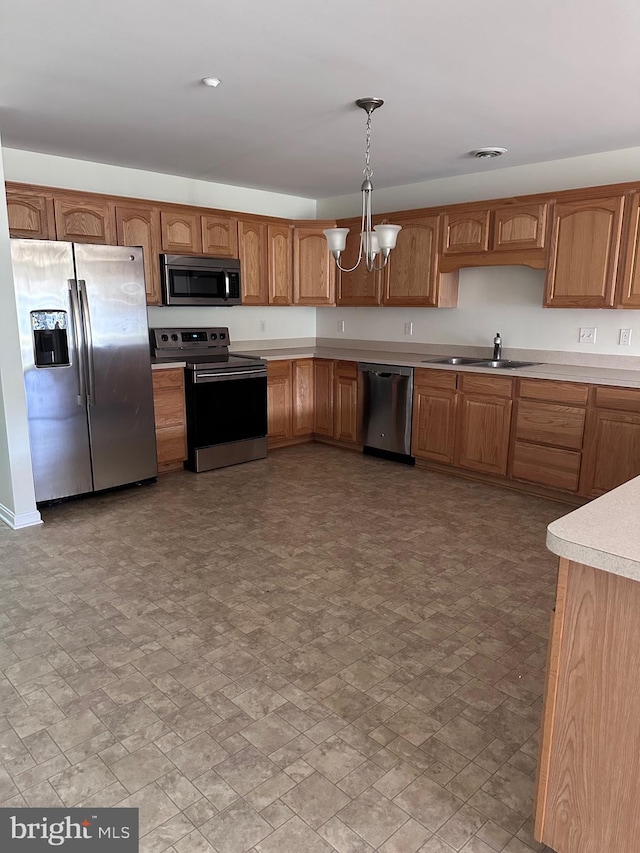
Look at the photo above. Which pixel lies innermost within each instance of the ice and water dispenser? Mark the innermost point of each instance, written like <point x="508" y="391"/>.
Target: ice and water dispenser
<point x="50" y="344"/>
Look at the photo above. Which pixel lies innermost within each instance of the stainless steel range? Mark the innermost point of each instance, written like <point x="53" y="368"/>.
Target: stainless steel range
<point x="226" y="396"/>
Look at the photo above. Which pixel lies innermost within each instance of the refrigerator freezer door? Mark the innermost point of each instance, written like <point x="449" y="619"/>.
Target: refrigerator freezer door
<point x="121" y="419"/>
<point x="56" y="405"/>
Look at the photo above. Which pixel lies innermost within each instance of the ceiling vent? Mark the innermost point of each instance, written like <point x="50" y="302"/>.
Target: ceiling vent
<point x="483" y="153"/>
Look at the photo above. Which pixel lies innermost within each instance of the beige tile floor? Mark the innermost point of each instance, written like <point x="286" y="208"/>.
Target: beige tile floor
<point x="317" y="652"/>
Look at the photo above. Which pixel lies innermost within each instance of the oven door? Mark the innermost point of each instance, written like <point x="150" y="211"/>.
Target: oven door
<point x="225" y="407"/>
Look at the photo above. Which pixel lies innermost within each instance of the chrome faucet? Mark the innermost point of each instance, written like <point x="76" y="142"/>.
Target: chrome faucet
<point x="497" y="347"/>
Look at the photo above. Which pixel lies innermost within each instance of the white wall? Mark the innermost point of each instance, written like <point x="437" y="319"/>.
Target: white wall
<point x="17" y="497"/>
<point x="609" y="167"/>
<point x="243" y="321"/>
<point x="491" y="299"/>
<point x="52" y="171"/>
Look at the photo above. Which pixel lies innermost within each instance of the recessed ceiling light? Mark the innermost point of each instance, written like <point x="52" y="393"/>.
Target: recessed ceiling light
<point x="211" y="81"/>
<point x="483" y="153"/>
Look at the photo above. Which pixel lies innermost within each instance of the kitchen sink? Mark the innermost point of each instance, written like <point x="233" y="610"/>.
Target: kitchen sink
<point x="505" y="364"/>
<point x="457" y="359"/>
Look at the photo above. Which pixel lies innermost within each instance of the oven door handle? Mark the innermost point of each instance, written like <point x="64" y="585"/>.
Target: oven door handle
<point x="200" y="378"/>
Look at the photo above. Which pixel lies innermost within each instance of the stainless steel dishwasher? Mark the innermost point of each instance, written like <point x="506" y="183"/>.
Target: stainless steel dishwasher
<point x="386" y="392"/>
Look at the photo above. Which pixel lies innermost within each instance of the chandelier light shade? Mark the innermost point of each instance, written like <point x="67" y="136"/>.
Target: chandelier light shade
<point x="376" y="240"/>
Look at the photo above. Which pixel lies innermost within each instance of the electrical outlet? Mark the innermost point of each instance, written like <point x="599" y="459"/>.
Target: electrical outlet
<point x="341" y="325"/>
<point x="408" y="328"/>
<point x="587" y="335"/>
<point x="263" y="325"/>
<point x="625" y="338"/>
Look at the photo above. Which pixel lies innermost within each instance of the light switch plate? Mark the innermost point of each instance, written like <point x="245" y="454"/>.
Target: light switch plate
<point x="587" y="335"/>
<point x="263" y="325"/>
<point x="408" y="328"/>
<point x="341" y="325"/>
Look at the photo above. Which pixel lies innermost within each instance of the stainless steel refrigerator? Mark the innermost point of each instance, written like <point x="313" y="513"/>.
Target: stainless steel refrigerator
<point x="87" y="373"/>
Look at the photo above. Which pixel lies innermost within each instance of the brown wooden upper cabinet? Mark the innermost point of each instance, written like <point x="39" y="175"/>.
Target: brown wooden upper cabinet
<point x="521" y="226"/>
<point x="181" y="231"/>
<point x="359" y="287"/>
<point x="410" y="275"/>
<point x="30" y="216"/>
<point x="140" y="226"/>
<point x="85" y="220"/>
<point x="252" y="240"/>
<point x="629" y="273"/>
<point x="220" y="236"/>
<point x="280" y="264"/>
<point x="466" y="232"/>
<point x="313" y="266"/>
<point x="583" y="253"/>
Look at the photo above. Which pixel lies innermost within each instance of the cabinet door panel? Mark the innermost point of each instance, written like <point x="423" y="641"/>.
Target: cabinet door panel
<point x="547" y="423"/>
<point x="279" y="400"/>
<point x="434" y="419"/>
<point x="303" y="396"/>
<point x="585" y="243"/>
<point x="345" y="405"/>
<point x="359" y="287"/>
<point x="85" y="221"/>
<point x="410" y="275"/>
<point x="170" y="417"/>
<point x="280" y="261"/>
<point x="252" y="237"/>
<point x="30" y="216"/>
<point x="220" y="236"/>
<point x="519" y="227"/>
<point x="466" y="232"/>
<point x="629" y="280"/>
<point x="313" y="267"/>
<point x="181" y="232"/>
<point x="483" y="434"/>
<point x="612" y="449"/>
<point x="140" y="226"/>
<point x="323" y="396"/>
<point x="549" y="466"/>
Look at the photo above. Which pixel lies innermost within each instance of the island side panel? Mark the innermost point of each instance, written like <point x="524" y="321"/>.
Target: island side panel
<point x="588" y="799"/>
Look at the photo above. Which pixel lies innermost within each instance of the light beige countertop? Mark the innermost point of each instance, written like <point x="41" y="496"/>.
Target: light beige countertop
<point x="604" y="534"/>
<point x="608" y="372"/>
<point x="165" y="365"/>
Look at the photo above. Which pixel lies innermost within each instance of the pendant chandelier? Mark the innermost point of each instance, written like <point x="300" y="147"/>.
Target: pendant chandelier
<point x="380" y="239"/>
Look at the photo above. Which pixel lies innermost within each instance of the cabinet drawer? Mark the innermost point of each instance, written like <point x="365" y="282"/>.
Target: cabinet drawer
<point x="619" y="399"/>
<point x="546" y="423"/>
<point x="548" y="466"/>
<point x="444" y="379"/>
<point x="171" y="446"/>
<point x="171" y="378"/>
<point x="480" y="383"/>
<point x="556" y="392"/>
<point x="346" y="369"/>
<point x="279" y="369"/>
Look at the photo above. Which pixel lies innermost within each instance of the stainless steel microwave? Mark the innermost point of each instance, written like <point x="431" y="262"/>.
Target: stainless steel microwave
<point x="200" y="281"/>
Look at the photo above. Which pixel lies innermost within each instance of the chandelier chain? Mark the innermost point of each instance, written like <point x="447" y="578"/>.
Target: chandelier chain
<point x="368" y="171"/>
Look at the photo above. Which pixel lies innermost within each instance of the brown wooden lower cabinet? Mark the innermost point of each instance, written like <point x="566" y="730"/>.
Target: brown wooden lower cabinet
<point x="435" y="405"/>
<point x="171" y="422"/>
<point x="345" y="401"/>
<point x="303" y="396"/>
<point x="279" y="401"/>
<point x="483" y="434"/>
<point x="612" y="442"/>
<point x="586" y="798"/>
<point x="323" y="393"/>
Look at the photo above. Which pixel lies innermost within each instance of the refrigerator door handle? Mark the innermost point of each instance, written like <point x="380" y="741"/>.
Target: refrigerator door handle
<point x="80" y="346"/>
<point x="86" y="321"/>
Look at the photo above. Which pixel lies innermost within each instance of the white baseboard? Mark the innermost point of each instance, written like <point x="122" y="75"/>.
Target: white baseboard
<point x="22" y="519"/>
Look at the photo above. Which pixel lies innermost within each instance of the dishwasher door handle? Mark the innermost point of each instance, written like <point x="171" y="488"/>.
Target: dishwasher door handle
<point x="384" y="375"/>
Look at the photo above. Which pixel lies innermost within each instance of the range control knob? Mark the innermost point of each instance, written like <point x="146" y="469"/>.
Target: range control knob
<point x="222" y="336"/>
<point x="174" y="337"/>
<point x="213" y="336"/>
<point x="164" y="337"/>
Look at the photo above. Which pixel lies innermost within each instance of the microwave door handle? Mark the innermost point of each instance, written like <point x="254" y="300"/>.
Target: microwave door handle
<point x="227" y="287"/>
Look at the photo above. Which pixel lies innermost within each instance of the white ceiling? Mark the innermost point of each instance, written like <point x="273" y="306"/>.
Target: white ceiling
<point x="118" y="82"/>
